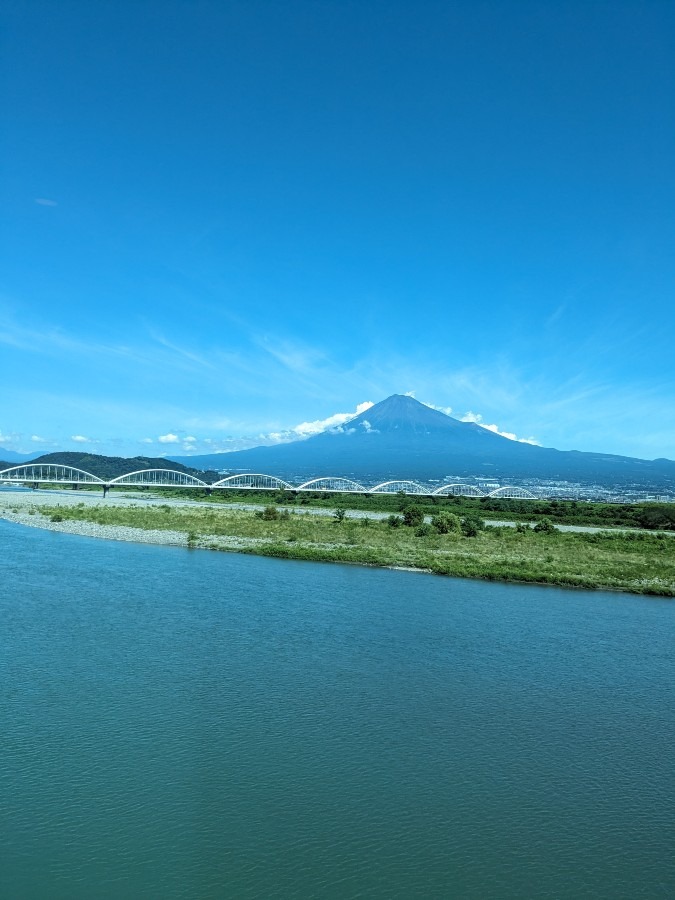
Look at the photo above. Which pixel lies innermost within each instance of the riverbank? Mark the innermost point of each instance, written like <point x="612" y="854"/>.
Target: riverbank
<point x="638" y="562"/>
<point x="34" y="518"/>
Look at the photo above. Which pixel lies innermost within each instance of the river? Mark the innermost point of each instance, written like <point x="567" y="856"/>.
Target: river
<point x="186" y="724"/>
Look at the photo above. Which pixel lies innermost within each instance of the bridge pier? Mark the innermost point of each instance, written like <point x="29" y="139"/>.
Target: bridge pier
<point x="106" y="488"/>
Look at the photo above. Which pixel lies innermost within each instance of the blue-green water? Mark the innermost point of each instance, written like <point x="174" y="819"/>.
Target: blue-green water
<point x="198" y="725"/>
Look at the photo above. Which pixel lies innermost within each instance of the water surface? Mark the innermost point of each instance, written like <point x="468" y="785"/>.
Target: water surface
<point x="192" y="724"/>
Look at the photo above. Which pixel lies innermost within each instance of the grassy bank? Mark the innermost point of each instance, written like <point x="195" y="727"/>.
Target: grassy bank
<point x="640" y="563"/>
<point x="658" y="516"/>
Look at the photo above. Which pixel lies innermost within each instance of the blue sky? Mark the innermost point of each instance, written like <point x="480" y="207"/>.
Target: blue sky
<point x="224" y="220"/>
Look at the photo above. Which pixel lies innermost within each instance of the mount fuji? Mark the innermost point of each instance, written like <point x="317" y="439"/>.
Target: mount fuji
<point x="402" y="438"/>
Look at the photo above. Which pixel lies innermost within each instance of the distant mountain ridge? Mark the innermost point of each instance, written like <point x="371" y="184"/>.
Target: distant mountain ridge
<point x="12" y="458"/>
<point x="402" y="438"/>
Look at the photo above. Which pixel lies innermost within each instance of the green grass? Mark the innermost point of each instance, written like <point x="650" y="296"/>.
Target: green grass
<point x="636" y="562"/>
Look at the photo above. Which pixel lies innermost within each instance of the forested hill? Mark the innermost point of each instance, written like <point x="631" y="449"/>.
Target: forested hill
<point x="112" y="466"/>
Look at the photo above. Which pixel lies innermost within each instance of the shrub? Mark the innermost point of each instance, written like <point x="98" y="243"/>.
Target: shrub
<point x="471" y="525"/>
<point x="545" y="526"/>
<point x="522" y="527"/>
<point x="424" y="530"/>
<point x="339" y="514"/>
<point x="447" y="523"/>
<point x="394" y="521"/>
<point x="270" y="513"/>
<point x="56" y="517"/>
<point x="413" y="516"/>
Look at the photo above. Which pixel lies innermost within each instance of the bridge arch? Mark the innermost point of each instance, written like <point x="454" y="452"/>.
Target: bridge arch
<point x="158" y="478"/>
<point x="254" y="480"/>
<point x="395" y="487"/>
<point x="512" y="492"/>
<point x="333" y="483"/>
<point x="458" y="490"/>
<point x="47" y="473"/>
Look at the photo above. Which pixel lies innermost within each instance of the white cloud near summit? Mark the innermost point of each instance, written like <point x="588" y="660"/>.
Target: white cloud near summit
<point x="444" y="409"/>
<point x="477" y="419"/>
<point x="307" y="429"/>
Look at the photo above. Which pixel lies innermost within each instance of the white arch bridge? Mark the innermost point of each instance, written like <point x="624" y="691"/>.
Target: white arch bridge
<point x="35" y="474"/>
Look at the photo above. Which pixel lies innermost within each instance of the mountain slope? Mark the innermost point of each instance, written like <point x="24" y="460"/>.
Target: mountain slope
<point x="402" y="438"/>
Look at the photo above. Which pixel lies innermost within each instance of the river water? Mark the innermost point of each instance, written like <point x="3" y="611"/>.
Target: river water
<point x="185" y="724"/>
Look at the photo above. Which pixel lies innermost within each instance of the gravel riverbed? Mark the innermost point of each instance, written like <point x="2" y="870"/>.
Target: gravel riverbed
<point x="91" y="529"/>
<point x="25" y="507"/>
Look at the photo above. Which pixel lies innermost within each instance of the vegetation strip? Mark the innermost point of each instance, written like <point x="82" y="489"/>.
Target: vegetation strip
<point x="655" y="516"/>
<point x="452" y="545"/>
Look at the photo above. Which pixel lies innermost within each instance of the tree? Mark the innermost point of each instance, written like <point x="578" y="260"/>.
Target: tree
<point x="339" y="514"/>
<point x="657" y="516"/>
<point x="413" y="516"/>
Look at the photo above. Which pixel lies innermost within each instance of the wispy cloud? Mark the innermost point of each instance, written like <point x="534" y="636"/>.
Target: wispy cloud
<point x="81" y="439"/>
<point x="294" y="356"/>
<point x="190" y="355"/>
<point x="45" y="201"/>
